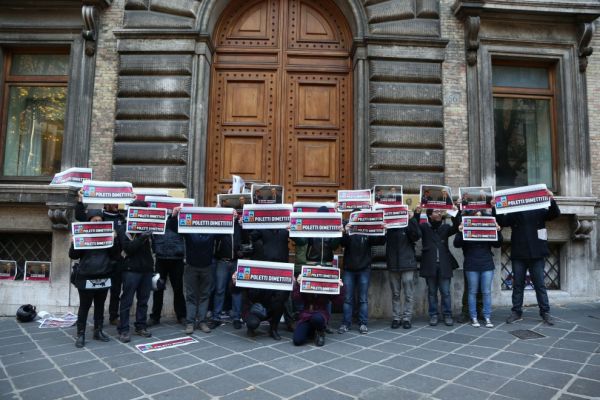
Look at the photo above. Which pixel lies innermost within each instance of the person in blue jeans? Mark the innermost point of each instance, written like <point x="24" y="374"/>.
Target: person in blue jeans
<point x="437" y="262"/>
<point x="357" y="276"/>
<point x="529" y="247"/>
<point x="479" y="270"/>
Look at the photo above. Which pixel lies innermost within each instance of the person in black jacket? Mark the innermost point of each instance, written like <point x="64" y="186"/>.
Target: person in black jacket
<point x="110" y="212"/>
<point x="197" y="275"/>
<point x="168" y="252"/>
<point x="92" y="280"/>
<point x="274" y="243"/>
<point x="402" y="264"/>
<point x="138" y="268"/>
<point x="479" y="271"/>
<point x="357" y="274"/>
<point x="437" y="262"/>
<point x="529" y="247"/>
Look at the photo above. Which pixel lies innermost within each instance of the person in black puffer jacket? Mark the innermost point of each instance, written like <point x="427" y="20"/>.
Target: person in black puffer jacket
<point x="402" y="264"/>
<point x="437" y="262"/>
<point x="138" y="268"/>
<point x="357" y="274"/>
<point x="479" y="271"/>
<point x="168" y="252"/>
<point x="92" y="280"/>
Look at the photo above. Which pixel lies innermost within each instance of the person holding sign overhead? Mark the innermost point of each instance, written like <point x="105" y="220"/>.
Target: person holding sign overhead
<point x="92" y="280"/>
<point x="529" y="247"/>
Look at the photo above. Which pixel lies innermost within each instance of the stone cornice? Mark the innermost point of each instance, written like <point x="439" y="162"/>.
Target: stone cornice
<point x="582" y="10"/>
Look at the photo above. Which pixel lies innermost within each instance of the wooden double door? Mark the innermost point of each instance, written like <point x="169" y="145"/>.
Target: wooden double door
<point x="281" y="99"/>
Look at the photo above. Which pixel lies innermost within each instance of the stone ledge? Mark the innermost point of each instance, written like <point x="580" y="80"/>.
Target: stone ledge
<point x="583" y="10"/>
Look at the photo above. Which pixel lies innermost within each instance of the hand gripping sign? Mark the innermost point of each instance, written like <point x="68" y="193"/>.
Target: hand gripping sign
<point x="325" y="225"/>
<point x="264" y="275"/>
<point x="320" y="280"/>
<point x="522" y="198"/>
<point x="104" y="192"/>
<point x="479" y="228"/>
<point x="266" y="216"/>
<point x="207" y="220"/>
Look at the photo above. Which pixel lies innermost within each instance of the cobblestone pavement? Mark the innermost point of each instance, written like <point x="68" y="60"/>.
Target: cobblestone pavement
<point x="459" y="362"/>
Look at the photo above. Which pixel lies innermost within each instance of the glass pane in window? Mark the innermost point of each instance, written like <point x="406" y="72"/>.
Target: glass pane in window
<point x="523" y="138"/>
<point x="35" y="127"/>
<point x="520" y="77"/>
<point x="40" y="64"/>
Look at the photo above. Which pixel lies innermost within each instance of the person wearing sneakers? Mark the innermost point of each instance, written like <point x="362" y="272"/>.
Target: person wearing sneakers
<point x="138" y="268"/>
<point x="437" y="262"/>
<point x="402" y="264"/>
<point x="357" y="275"/>
<point x="529" y="247"/>
<point x="92" y="280"/>
<point x="479" y="270"/>
<point x="197" y="275"/>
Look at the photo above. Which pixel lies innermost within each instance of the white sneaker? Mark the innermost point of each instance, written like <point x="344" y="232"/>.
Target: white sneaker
<point x="475" y="323"/>
<point x="488" y="323"/>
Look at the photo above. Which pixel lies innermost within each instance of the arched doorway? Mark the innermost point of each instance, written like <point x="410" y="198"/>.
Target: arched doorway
<point x="281" y="98"/>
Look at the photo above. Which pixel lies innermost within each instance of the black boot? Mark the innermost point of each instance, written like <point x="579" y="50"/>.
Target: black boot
<point x="80" y="341"/>
<point x="319" y="338"/>
<point x="98" y="334"/>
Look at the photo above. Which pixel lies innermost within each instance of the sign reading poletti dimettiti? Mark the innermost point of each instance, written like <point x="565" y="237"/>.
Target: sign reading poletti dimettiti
<point x="320" y="280"/>
<point x="394" y="216"/>
<point x="206" y="220"/>
<point x="479" y="228"/>
<point x="522" y="198"/>
<point x="92" y="235"/>
<point x="315" y="224"/>
<point x="266" y="216"/>
<point x="146" y="219"/>
<point x="264" y="275"/>
<point x="107" y="192"/>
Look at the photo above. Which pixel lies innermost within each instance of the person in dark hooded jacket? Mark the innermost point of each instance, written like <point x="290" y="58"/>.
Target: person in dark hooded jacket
<point x="92" y="280"/>
<point x="437" y="263"/>
<point x="402" y="264"/>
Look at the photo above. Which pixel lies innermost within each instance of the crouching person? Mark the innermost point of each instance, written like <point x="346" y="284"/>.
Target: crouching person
<point x="92" y="280"/>
<point x="315" y="316"/>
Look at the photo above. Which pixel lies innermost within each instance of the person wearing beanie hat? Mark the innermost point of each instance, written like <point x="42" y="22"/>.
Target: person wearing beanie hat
<point x="92" y="280"/>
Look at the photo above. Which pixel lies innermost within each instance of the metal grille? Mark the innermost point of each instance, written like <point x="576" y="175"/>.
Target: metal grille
<point x="551" y="269"/>
<point x="23" y="247"/>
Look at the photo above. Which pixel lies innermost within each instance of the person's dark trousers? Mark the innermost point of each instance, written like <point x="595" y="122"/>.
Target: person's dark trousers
<point x="140" y="285"/>
<point x="223" y="275"/>
<point x="359" y="281"/>
<point x="465" y="300"/>
<point x="536" y="271"/>
<point x="116" y="280"/>
<point x="197" y="282"/>
<point x="306" y="329"/>
<point x="276" y="308"/>
<point x="172" y="271"/>
<point x="86" y="298"/>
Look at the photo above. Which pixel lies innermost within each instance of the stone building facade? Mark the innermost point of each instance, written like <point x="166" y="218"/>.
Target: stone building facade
<point x="139" y="102"/>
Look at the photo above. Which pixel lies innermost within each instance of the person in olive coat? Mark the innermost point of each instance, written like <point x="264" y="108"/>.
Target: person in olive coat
<point x="402" y="264"/>
<point x="437" y="262"/>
